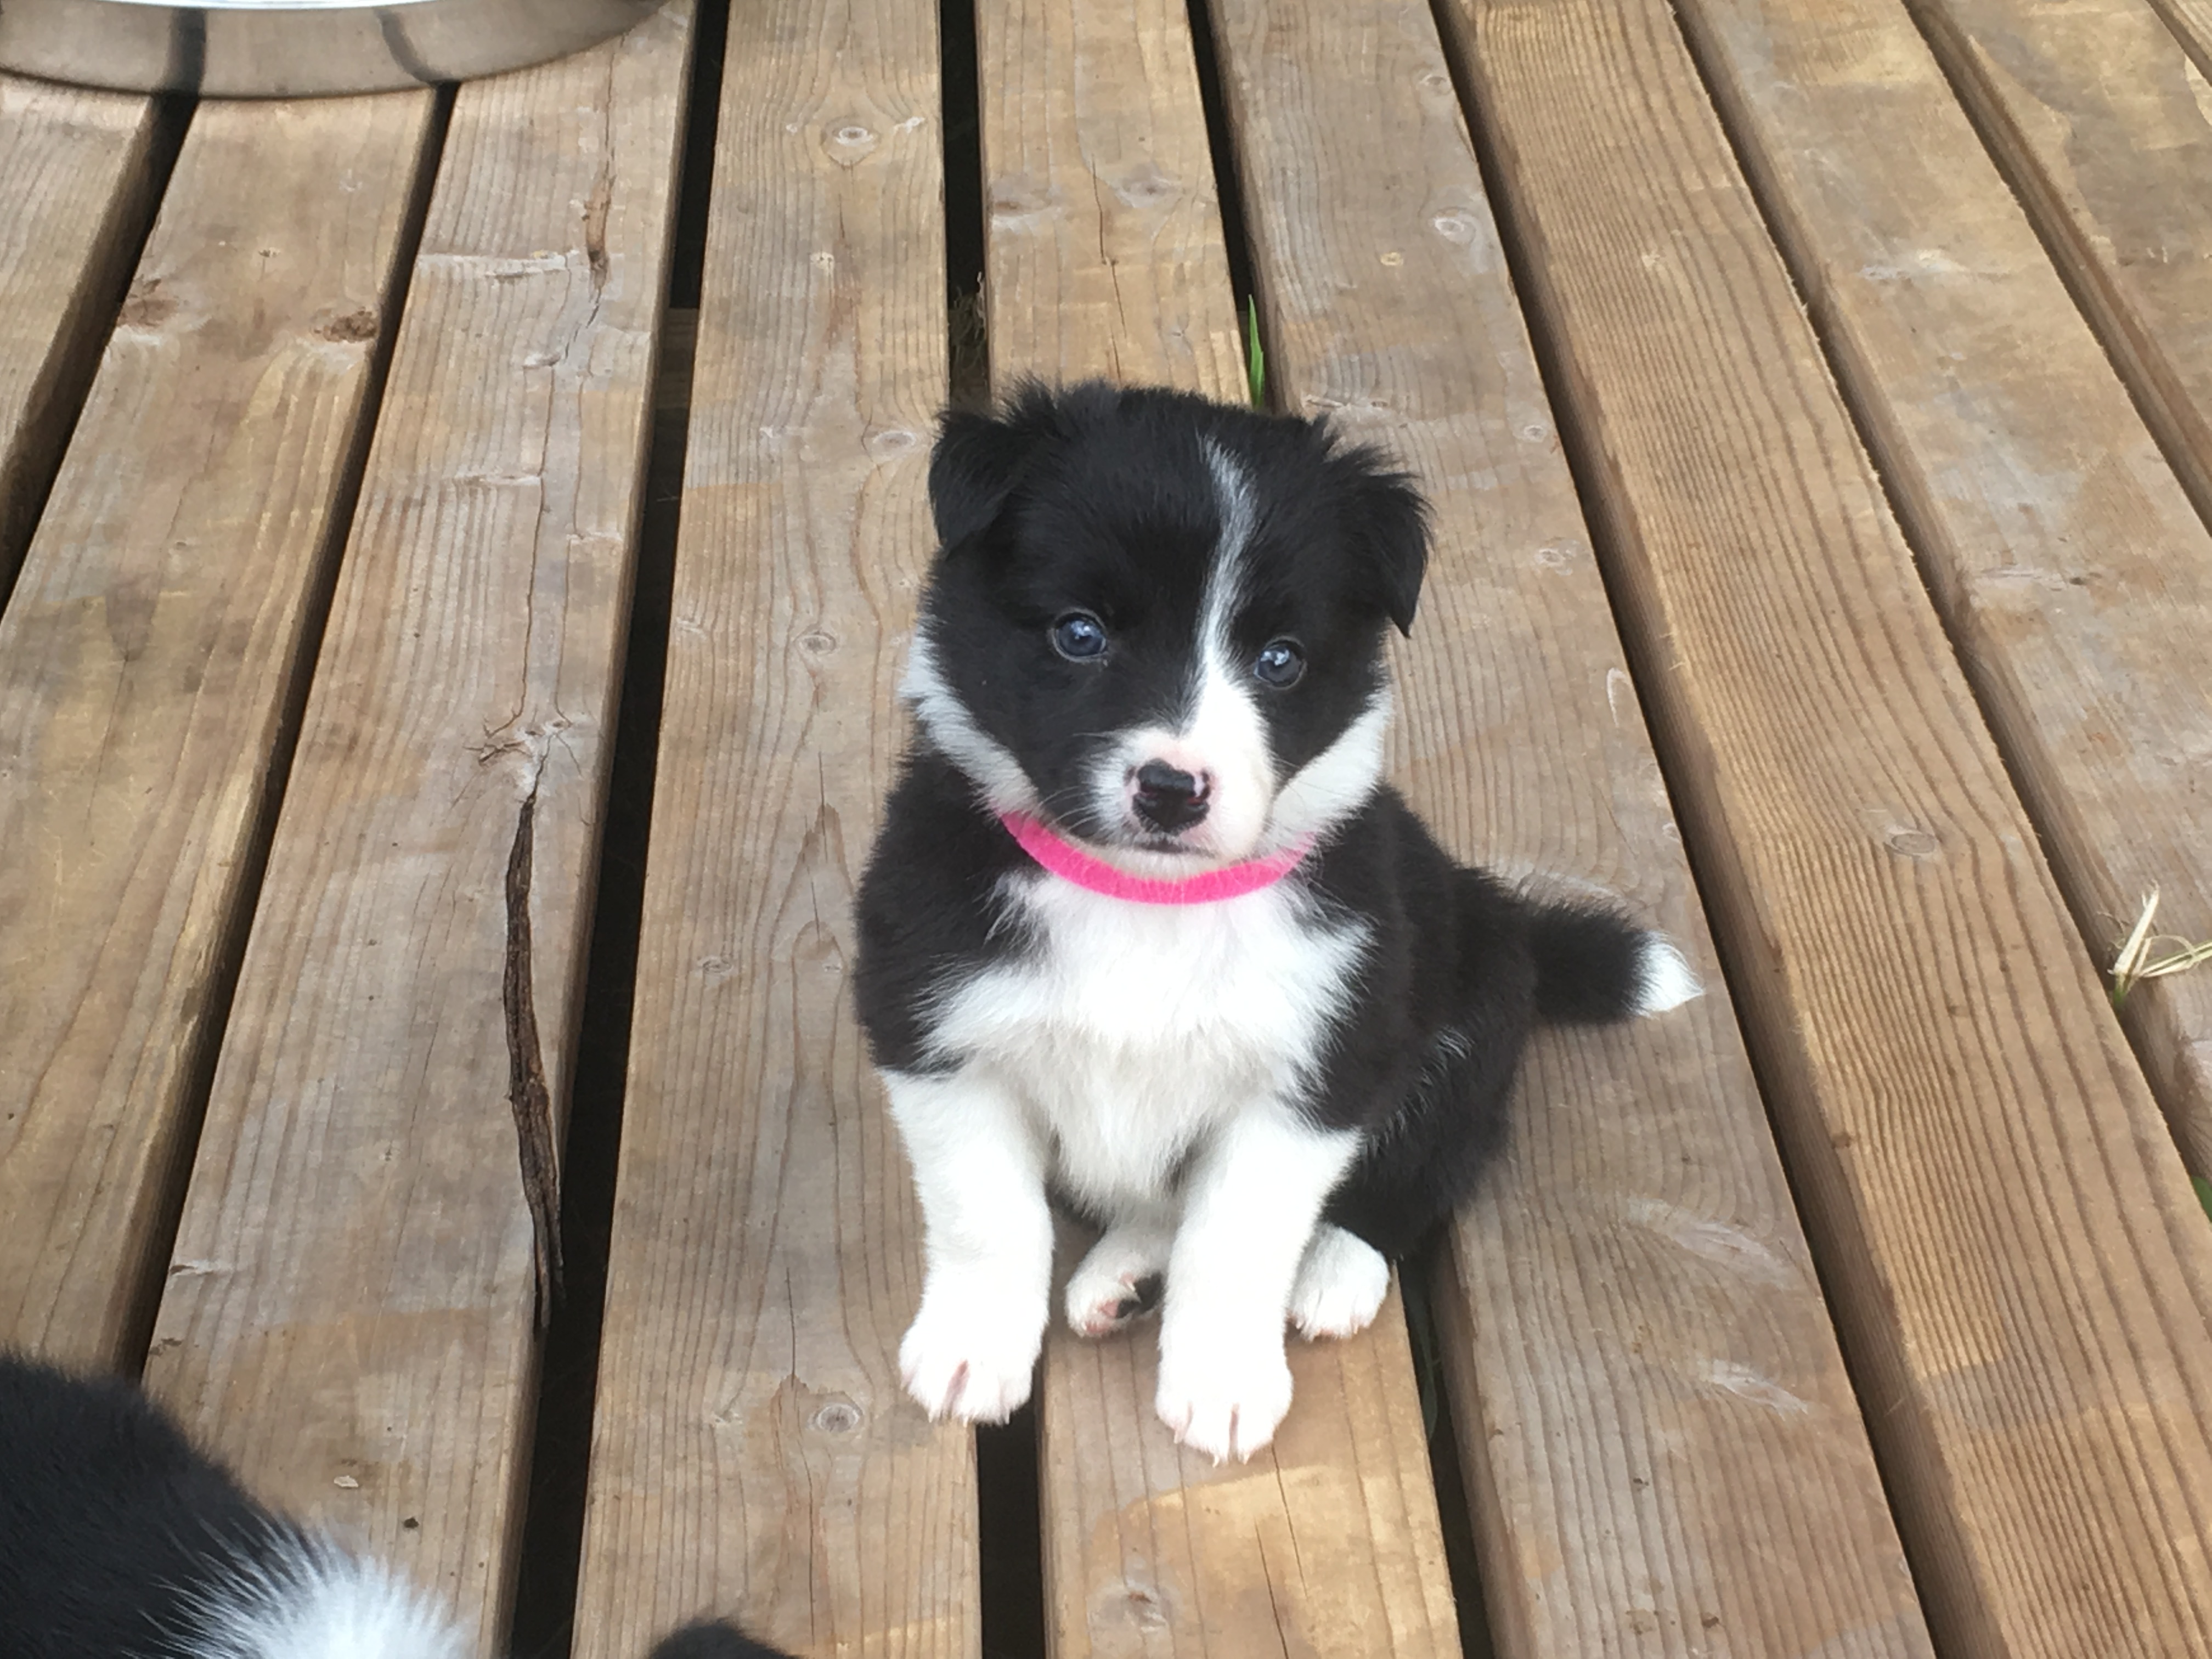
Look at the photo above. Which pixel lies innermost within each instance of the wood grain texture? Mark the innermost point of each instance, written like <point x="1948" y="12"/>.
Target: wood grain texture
<point x="2018" y="1265"/>
<point x="1106" y="258"/>
<point x="351" y="1310"/>
<point x="1665" y="1452"/>
<point x="2191" y="23"/>
<point x="148" y="661"/>
<point x="1327" y="1542"/>
<point x="2104" y="126"/>
<point x="77" y="166"/>
<point x="2067" y="563"/>
<point x="1102" y="221"/>
<point x="754" y="1453"/>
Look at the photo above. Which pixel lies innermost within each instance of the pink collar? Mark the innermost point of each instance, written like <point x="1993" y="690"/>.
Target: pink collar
<point x="1068" y="860"/>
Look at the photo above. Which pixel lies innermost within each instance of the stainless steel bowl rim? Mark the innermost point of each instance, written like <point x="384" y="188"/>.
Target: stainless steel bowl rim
<point x="296" y="48"/>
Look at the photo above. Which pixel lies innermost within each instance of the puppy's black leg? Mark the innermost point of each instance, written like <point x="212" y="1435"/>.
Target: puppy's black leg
<point x="1424" y="1161"/>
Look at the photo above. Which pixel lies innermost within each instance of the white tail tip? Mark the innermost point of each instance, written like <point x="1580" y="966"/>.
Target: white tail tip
<point x="1668" y="980"/>
<point x="314" y="1600"/>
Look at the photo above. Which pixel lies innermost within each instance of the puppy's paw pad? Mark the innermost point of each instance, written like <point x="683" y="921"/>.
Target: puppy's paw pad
<point x="1341" y="1284"/>
<point x="965" y="1358"/>
<point x="1226" y="1402"/>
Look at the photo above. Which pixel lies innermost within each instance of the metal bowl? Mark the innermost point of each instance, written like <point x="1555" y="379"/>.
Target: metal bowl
<point x="296" y="48"/>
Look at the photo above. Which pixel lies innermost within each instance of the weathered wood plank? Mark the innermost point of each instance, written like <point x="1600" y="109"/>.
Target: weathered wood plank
<point x="77" y="165"/>
<point x="148" y="661"/>
<point x="2100" y="120"/>
<point x="754" y="1452"/>
<point x="1327" y="1542"/>
<point x="2020" y="1269"/>
<point x="1665" y="1451"/>
<point x="1106" y="258"/>
<point x="1103" y="224"/>
<point x="2068" y="564"/>
<point x="350" y="1310"/>
<point x="2191" y="23"/>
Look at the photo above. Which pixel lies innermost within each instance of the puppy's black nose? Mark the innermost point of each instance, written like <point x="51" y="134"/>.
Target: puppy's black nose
<point x="1168" y="799"/>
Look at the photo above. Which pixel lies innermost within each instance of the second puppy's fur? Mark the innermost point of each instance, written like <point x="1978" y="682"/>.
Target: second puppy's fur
<point x="1146" y="927"/>
<point x="120" y="1539"/>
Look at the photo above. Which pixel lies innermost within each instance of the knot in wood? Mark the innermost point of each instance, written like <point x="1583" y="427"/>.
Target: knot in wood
<point x="355" y="328"/>
<point x="1016" y="199"/>
<point x="1913" y="843"/>
<point x="1147" y="188"/>
<point x="1144" y="1607"/>
<point x="851" y="142"/>
<point x="146" y="306"/>
<point x="838" y="1417"/>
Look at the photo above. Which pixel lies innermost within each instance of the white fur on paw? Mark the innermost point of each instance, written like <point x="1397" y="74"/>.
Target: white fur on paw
<point x="1102" y="1293"/>
<point x="1223" y="1395"/>
<point x="1341" y="1284"/>
<point x="1668" y="981"/>
<point x="970" y="1352"/>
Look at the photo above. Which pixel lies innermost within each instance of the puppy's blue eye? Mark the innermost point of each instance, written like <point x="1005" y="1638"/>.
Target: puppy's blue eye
<point x="1079" y="636"/>
<point x="1279" y="663"/>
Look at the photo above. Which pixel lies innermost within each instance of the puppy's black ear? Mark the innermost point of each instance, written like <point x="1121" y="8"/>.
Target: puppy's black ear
<point x="979" y="458"/>
<point x="1388" y="523"/>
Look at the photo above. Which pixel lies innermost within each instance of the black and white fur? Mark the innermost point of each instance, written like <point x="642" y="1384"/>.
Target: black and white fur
<point x="120" y="1539"/>
<point x="1265" y="1097"/>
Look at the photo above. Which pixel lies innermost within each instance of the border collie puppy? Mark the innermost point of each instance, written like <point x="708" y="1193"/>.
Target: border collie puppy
<point x="1145" y="928"/>
<point x="119" y="1540"/>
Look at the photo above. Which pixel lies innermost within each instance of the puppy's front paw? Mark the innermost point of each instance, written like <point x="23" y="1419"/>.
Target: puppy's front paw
<point x="1341" y="1284"/>
<point x="969" y="1355"/>
<point x="1222" y="1395"/>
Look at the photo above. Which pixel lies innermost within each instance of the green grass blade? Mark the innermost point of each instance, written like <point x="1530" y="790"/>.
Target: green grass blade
<point x="1255" y="358"/>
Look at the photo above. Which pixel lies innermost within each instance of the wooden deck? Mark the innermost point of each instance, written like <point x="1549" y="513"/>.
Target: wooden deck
<point x="462" y="547"/>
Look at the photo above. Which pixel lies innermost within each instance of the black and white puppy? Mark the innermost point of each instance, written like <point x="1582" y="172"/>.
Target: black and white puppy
<point x="1145" y="926"/>
<point x="120" y="1539"/>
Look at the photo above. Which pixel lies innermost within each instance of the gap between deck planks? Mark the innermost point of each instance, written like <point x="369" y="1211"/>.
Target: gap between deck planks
<point x="1665" y="1452"/>
<point x="2191" y="23"/>
<point x="350" y="1313"/>
<point x="754" y="1453"/>
<point x="150" y="662"/>
<point x="2073" y="568"/>
<point x="1105" y="257"/>
<point x="2019" y="1268"/>
<point x="2099" y="118"/>
<point x="81" y="168"/>
<point x="2067" y="562"/>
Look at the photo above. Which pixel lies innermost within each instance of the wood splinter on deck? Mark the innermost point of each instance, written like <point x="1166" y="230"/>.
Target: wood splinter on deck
<point x="527" y="1097"/>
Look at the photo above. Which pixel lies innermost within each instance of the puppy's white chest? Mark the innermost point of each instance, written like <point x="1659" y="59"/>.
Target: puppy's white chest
<point x="1134" y="1029"/>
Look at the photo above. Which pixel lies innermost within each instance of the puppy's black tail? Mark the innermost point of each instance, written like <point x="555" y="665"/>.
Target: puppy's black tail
<point x="1595" y="966"/>
<point x="713" y="1638"/>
